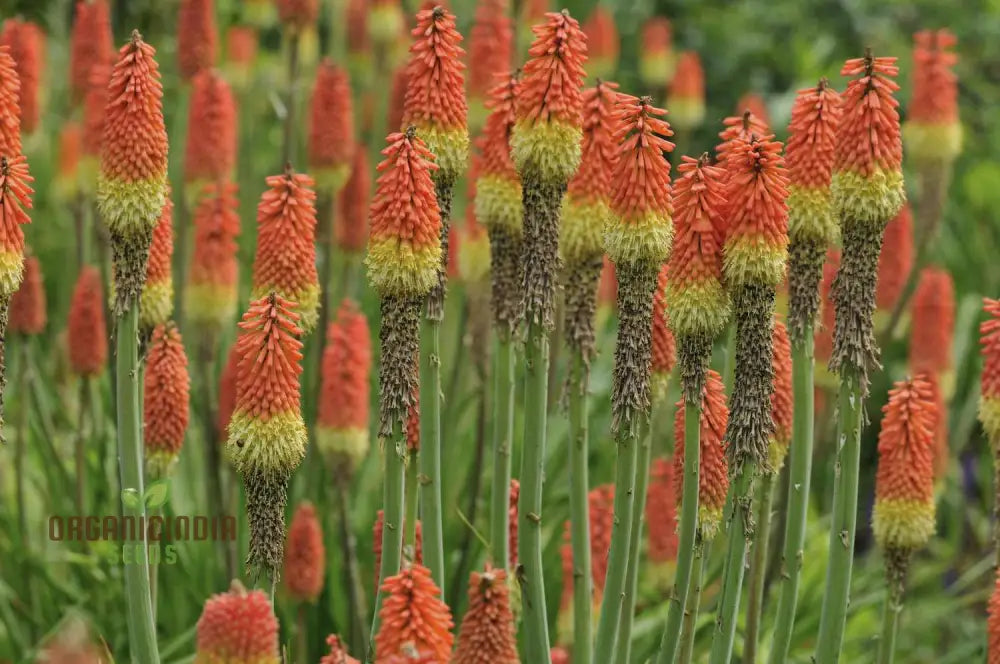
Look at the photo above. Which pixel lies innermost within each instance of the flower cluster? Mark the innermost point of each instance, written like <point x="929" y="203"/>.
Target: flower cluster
<point x="686" y="98"/>
<point x="331" y="127"/>
<point x="196" y="37"/>
<point x="932" y="131"/>
<point x="213" y="275"/>
<point x="156" y="302"/>
<point x="237" y="626"/>
<point x="414" y="615"/>
<point x="165" y="400"/>
<point x="305" y="561"/>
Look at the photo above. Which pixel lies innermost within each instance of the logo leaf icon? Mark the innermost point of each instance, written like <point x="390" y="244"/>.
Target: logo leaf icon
<point x="130" y="499"/>
<point x="156" y="495"/>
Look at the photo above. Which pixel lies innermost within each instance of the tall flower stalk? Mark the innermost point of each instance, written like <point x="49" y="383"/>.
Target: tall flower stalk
<point x="755" y="251"/>
<point x="546" y="149"/>
<point x="585" y="214"/>
<point x="435" y="104"/>
<point x="812" y="227"/>
<point x="131" y="192"/>
<point x="404" y="257"/>
<point x="638" y="238"/>
<point x="867" y="190"/>
<point x="698" y="311"/>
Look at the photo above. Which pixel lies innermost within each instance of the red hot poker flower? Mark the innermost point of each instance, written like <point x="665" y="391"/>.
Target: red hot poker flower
<point x="157" y="300"/>
<point x="15" y="200"/>
<point x="932" y="130"/>
<point x="196" y="37"/>
<point x="896" y="259"/>
<point x="490" y="45"/>
<point x="351" y="225"/>
<point x="754" y="103"/>
<point x="414" y="614"/>
<point x="210" y="151"/>
<point x="602" y="43"/>
<point x="737" y="128"/>
<point x="498" y="187"/>
<point x="331" y="127"/>
<point x="305" y="557"/>
<point x="781" y="397"/>
<point x="212" y="278"/>
<point x="397" y="98"/>
<point x="933" y="324"/>
<point x="90" y="44"/>
<point x="165" y="400"/>
<point x="686" y="99"/>
<point x="989" y="340"/>
<point x="94" y="103"/>
<point x="86" y="333"/>
<point x="601" y="500"/>
<point x="10" y="110"/>
<point x="656" y="62"/>
<point x="664" y="347"/>
<point x="487" y="634"/>
<point x="338" y="652"/>
<point x="27" y="313"/>
<point x="661" y="512"/>
<point x="26" y="42"/>
<point x="237" y="626"/>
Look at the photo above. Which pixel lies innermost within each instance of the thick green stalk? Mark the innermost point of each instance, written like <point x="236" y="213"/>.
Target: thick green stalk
<point x="624" y="650"/>
<point x="503" y="438"/>
<point x="352" y="570"/>
<point x="845" y="516"/>
<point x="732" y="576"/>
<point x="579" y="510"/>
<point x="800" y="474"/>
<point x="392" y="522"/>
<point x="689" y="626"/>
<point x="758" y="567"/>
<point x="890" y="623"/>
<point x="627" y="444"/>
<point x="430" y="449"/>
<point x="687" y="534"/>
<point x="141" y="629"/>
<point x="529" y="517"/>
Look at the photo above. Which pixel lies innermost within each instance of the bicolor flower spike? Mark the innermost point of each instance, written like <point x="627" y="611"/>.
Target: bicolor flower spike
<point x="237" y="627"/>
<point x="781" y="397"/>
<point x="896" y="259"/>
<point x="342" y="421"/>
<point x="90" y="45"/>
<point x="867" y="173"/>
<point x="331" y="127"/>
<point x="490" y="46"/>
<point x="27" y="313"/>
<point x="989" y="399"/>
<point x="903" y="516"/>
<point x="10" y="113"/>
<point x="241" y="52"/>
<point x="213" y="275"/>
<point x="197" y="37"/>
<point x="586" y="206"/>
<point x="602" y="43"/>
<point x="94" y="103"/>
<point x="435" y="95"/>
<point x="498" y="187"/>
<point x="549" y="107"/>
<point x="664" y="355"/>
<point x="285" y="262"/>
<point x="156" y="303"/>
<point x="86" y="331"/>
<point x="26" y="42"/>
<point x="657" y="63"/>
<point x="686" y="97"/>
<point x="933" y="132"/>
<point x="933" y="326"/>
<point x="15" y="201"/>
<point x="414" y="615"/>
<point x="487" y="634"/>
<point x="713" y="477"/>
<point x="305" y="560"/>
<point x="640" y="229"/>
<point x="404" y="246"/>
<point x="166" y="393"/>
<point x="210" y="150"/>
<point x="132" y="184"/>
<point x="351" y="225"/>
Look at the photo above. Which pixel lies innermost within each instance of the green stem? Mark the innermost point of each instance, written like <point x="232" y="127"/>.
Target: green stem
<point x="624" y="651"/>
<point x="845" y="514"/>
<point x="141" y="629"/>
<point x="352" y="570"/>
<point x="430" y="449"/>
<point x="687" y="534"/>
<point x="579" y="510"/>
<point x="392" y="523"/>
<point x="800" y="473"/>
<point x="79" y="451"/>
<point x="690" y="624"/>
<point x="758" y="567"/>
<point x="627" y="444"/>
<point x="503" y="440"/>
<point x="890" y="622"/>
<point x="536" y="361"/>
<point x="740" y="523"/>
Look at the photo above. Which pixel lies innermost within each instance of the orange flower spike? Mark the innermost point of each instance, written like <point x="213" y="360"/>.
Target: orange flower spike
<point x="285" y="261"/>
<point x="686" y="97"/>
<point x="196" y="37"/>
<point x="67" y="180"/>
<point x="165" y="400"/>
<point x="435" y="94"/>
<point x="331" y="127"/>
<point x="404" y="247"/>
<point x="15" y="201"/>
<point x="738" y="128"/>
<point x="932" y="130"/>
<point x="903" y="517"/>
<point x="297" y="15"/>
<point x="867" y="173"/>
<point x="490" y="46"/>
<point x="754" y="103"/>
<point x="338" y="652"/>
<point x="546" y="141"/>
<point x="781" y="397"/>
<point x="657" y="62"/>
<point x="27" y="313"/>
<point x="602" y="43"/>
<point x="933" y="327"/>
<point x="498" y="187"/>
<point x="661" y="513"/>
<point x="132" y="184"/>
<point x="664" y="346"/>
<point x="356" y="19"/>
<point x="586" y="205"/>
<point x="305" y="562"/>
<point x="10" y="110"/>
<point x="213" y="274"/>
<point x="241" y="52"/>
<point x="210" y="150"/>
<point x="351" y="225"/>
<point x="895" y="260"/>
<point x="989" y="399"/>
<point x="414" y="614"/>
<point x="94" y="103"/>
<point x="342" y="420"/>
<point x="227" y="393"/>
<point x="91" y="44"/>
<point x="640" y="230"/>
<point x="824" y="331"/>
<point x="237" y="626"/>
<point x="757" y="238"/>
<point x="487" y="634"/>
<point x="993" y="625"/>
<point x="156" y="303"/>
<point x="713" y="478"/>
<point x="26" y="43"/>
<point x="86" y="333"/>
